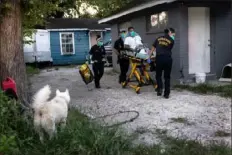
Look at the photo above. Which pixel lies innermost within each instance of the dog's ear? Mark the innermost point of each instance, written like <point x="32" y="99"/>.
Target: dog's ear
<point x="57" y="91"/>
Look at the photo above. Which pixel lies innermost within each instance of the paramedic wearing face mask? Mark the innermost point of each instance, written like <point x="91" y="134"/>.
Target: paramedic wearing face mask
<point x="132" y="39"/>
<point x="163" y="47"/>
<point x="98" y="55"/>
<point x="123" y="61"/>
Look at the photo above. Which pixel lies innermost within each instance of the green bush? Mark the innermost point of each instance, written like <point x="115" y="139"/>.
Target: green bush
<point x="7" y="128"/>
<point x="224" y="90"/>
<point x="14" y="129"/>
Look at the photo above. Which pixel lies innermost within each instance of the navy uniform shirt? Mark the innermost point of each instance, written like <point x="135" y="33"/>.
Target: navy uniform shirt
<point x="97" y="52"/>
<point x="164" y="45"/>
<point x="119" y="46"/>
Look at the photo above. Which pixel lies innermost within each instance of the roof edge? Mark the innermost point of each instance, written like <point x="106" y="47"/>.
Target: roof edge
<point x="68" y="29"/>
<point x="78" y="29"/>
<point x="135" y="9"/>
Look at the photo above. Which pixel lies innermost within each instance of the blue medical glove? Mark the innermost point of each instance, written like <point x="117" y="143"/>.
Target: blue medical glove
<point x="149" y="60"/>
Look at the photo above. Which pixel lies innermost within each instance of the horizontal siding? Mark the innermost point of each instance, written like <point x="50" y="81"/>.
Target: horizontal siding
<point x="183" y="32"/>
<point x="223" y="50"/>
<point x="139" y="23"/>
<point x="81" y="41"/>
<point x="114" y="34"/>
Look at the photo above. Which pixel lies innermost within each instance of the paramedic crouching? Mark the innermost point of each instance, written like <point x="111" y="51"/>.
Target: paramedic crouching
<point x="98" y="55"/>
<point x="163" y="46"/>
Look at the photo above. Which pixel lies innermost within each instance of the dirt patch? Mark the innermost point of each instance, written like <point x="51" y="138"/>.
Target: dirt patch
<point x="206" y="113"/>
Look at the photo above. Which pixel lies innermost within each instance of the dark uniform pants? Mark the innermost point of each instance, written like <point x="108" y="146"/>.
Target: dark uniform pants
<point x="163" y="63"/>
<point x="98" y="70"/>
<point x="124" y="66"/>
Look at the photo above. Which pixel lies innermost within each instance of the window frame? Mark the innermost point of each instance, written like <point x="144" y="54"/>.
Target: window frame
<point x="61" y="43"/>
<point x="158" y="29"/>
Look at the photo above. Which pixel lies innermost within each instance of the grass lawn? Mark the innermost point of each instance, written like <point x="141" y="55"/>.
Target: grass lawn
<point x="31" y="70"/>
<point x="84" y="137"/>
<point x="224" y="91"/>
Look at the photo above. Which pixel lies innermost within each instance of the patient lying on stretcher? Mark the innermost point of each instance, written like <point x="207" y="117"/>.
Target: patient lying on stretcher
<point x="133" y="43"/>
<point x="132" y="39"/>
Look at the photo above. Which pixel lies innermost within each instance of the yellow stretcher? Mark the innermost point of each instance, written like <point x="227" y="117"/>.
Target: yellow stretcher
<point x="139" y="69"/>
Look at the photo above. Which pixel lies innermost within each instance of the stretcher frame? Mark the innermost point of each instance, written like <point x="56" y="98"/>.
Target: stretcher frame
<point x="139" y="69"/>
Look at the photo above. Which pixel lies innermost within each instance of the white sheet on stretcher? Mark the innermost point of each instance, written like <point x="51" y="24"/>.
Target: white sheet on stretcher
<point x="133" y="42"/>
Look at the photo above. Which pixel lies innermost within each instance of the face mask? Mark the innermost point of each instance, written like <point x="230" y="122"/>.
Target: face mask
<point x="122" y="35"/>
<point x="132" y="33"/>
<point x="173" y="37"/>
<point x="99" y="43"/>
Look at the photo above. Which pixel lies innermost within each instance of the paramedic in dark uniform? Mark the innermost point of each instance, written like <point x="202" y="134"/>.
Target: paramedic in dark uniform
<point x="163" y="47"/>
<point x="123" y="61"/>
<point x="98" y="55"/>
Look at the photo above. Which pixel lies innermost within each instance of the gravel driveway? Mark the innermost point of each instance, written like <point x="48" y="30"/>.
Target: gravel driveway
<point x="185" y="114"/>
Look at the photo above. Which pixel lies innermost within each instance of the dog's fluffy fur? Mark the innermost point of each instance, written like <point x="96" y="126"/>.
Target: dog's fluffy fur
<point x="48" y="114"/>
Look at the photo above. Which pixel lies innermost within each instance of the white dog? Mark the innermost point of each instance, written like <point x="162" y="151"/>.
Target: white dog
<point x="47" y="114"/>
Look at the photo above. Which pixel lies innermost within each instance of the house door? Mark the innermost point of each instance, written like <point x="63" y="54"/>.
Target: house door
<point x="199" y="39"/>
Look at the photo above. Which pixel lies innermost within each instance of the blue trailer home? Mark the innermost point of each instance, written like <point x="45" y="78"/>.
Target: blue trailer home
<point x="71" y="39"/>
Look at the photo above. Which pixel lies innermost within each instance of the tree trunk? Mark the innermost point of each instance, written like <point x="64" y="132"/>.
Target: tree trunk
<point x="11" y="49"/>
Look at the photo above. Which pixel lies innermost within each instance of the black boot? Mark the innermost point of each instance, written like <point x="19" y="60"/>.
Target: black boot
<point x="98" y="87"/>
<point x="97" y="84"/>
<point x="159" y="93"/>
<point x="166" y="96"/>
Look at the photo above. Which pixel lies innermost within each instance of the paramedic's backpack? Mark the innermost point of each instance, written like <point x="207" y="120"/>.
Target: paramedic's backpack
<point x="86" y="73"/>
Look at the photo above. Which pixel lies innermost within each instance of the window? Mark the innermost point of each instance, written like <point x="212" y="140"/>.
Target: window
<point x="67" y="43"/>
<point x="157" y="21"/>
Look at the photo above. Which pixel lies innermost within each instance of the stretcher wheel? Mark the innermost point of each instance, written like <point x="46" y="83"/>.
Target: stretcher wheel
<point x="137" y="90"/>
<point x="124" y="84"/>
<point x="156" y="87"/>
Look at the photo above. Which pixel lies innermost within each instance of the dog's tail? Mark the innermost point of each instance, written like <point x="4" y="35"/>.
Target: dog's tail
<point x="41" y="97"/>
